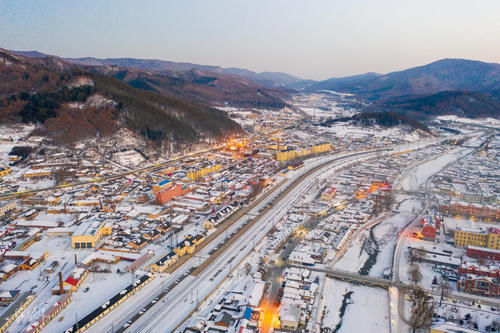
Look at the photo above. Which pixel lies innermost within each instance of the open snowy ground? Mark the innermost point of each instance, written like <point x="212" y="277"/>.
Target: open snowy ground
<point x="101" y="288"/>
<point x="360" y="314"/>
<point x="419" y="175"/>
<point x="348" y="130"/>
<point x="483" y="317"/>
<point x="482" y="121"/>
<point x="355" y="257"/>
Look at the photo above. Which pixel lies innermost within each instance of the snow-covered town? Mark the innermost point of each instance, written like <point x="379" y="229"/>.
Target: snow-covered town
<point x="299" y="227"/>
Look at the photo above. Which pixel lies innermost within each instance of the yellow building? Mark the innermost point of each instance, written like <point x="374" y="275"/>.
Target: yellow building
<point x="275" y="147"/>
<point x="168" y="170"/>
<point x="188" y="245"/>
<point x="198" y="239"/>
<point x="303" y="152"/>
<point x="15" y="310"/>
<point x="162" y="185"/>
<point x="95" y="188"/>
<point x="264" y="181"/>
<point x="207" y="225"/>
<point x="4" y="171"/>
<point x="164" y="262"/>
<point x="58" y="210"/>
<point x="89" y="203"/>
<point x="58" y="232"/>
<point x="158" y="212"/>
<point x="296" y="165"/>
<point x="289" y="317"/>
<point x="38" y="173"/>
<point x="138" y="284"/>
<point x="484" y="238"/>
<point x="75" y="279"/>
<point x="7" y="207"/>
<point x="184" y="247"/>
<point x="285" y="155"/>
<point x="493" y="239"/>
<point x="41" y="200"/>
<point x="88" y="235"/>
<point x="202" y="172"/>
<point x="321" y="148"/>
<point x="50" y="314"/>
<point x="52" y="201"/>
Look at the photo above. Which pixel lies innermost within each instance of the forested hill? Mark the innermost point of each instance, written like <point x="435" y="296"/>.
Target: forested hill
<point x="70" y="104"/>
<point x="384" y="119"/>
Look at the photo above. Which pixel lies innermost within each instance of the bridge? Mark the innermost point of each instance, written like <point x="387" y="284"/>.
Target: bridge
<point x="346" y="276"/>
<point x="373" y="281"/>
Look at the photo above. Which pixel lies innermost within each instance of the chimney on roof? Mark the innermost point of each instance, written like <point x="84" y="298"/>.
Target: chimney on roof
<point x="61" y="289"/>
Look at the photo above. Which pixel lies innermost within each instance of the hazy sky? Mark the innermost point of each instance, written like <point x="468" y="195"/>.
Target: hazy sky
<point x="309" y="38"/>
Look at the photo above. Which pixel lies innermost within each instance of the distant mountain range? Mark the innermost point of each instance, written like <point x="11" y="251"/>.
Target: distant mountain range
<point x="266" y="79"/>
<point x="466" y="104"/>
<point x="442" y="75"/>
<point x="207" y="84"/>
<point x="199" y="85"/>
<point x="449" y="86"/>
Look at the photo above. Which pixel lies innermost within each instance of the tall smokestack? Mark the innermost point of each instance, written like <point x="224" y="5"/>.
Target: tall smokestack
<point x="61" y="289"/>
<point x="76" y="262"/>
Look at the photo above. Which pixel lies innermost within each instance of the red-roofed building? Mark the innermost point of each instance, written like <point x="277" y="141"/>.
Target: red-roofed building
<point x="171" y="192"/>
<point x="430" y="227"/>
<point x="483" y="253"/>
<point x="328" y="194"/>
<point x="479" y="279"/>
<point x="71" y="281"/>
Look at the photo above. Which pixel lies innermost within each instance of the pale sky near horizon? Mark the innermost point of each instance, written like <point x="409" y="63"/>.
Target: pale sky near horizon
<point x="311" y="39"/>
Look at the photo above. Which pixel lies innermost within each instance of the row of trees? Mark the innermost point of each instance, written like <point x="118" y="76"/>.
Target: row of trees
<point x="423" y="304"/>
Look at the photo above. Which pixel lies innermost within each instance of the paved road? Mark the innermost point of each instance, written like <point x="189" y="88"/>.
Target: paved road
<point x="190" y="290"/>
<point x="181" y="300"/>
<point x="167" y="318"/>
<point x="405" y="232"/>
<point x="119" y="316"/>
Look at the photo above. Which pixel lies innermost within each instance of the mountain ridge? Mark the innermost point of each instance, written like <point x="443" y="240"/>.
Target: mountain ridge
<point x="266" y="78"/>
<point x="441" y="75"/>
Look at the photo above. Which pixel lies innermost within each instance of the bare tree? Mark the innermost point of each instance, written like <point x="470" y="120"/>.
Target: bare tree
<point x="422" y="308"/>
<point x="444" y="289"/>
<point x="416" y="255"/>
<point x="247" y="268"/>
<point x="414" y="274"/>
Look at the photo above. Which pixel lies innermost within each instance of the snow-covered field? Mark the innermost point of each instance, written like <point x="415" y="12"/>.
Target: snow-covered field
<point x="483" y="121"/>
<point x="353" y="132"/>
<point x="419" y="175"/>
<point x="6" y="134"/>
<point x="101" y="287"/>
<point x="129" y="158"/>
<point x="360" y="314"/>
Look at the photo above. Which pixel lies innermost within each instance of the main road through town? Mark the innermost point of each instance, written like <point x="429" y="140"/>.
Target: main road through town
<point x="189" y="290"/>
<point x="185" y="296"/>
<point x="182" y="300"/>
